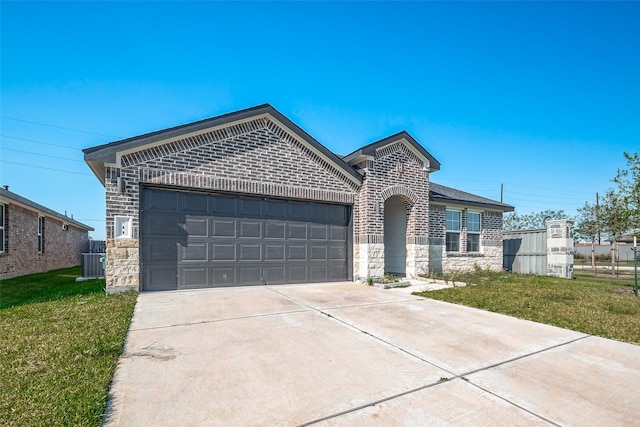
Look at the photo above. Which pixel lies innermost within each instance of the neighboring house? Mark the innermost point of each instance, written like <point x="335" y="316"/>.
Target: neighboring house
<point x="35" y="239"/>
<point x="249" y="198"/>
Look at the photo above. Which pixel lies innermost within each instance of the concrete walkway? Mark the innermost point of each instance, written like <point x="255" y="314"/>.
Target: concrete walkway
<point x="344" y="354"/>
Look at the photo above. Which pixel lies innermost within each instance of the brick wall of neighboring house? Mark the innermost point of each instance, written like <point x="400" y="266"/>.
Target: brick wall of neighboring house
<point x="62" y="248"/>
<point x="394" y="172"/>
<point x="490" y="255"/>
<point x="254" y="157"/>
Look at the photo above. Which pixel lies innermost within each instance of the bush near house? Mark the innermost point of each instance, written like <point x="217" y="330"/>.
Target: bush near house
<point x="601" y="306"/>
<point x="59" y="345"/>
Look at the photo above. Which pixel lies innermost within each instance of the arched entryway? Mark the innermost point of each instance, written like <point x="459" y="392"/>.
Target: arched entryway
<point x="395" y="236"/>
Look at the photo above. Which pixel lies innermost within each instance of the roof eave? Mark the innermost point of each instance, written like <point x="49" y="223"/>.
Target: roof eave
<point x="449" y="201"/>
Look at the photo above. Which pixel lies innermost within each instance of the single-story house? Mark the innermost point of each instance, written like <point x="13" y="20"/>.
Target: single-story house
<point x="36" y="239"/>
<point x="249" y="198"/>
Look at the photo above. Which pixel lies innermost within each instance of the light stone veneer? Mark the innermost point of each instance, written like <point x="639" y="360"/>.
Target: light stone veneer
<point x="122" y="265"/>
<point x="491" y="258"/>
<point x="368" y="260"/>
<point x="417" y="260"/>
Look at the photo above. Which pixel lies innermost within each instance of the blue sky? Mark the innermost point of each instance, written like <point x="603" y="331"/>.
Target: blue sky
<point x="543" y="97"/>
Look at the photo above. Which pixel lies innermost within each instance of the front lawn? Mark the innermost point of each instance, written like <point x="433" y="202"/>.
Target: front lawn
<point x="602" y="306"/>
<point x="59" y="345"/>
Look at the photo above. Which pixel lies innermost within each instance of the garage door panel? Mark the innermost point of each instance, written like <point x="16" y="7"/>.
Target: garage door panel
<point x="250" y="252"/>
<point x="250" y="229"/>
<point x="337" y="272"/>
<point x="338" y="233"/>
<point x="161" y="278"/>
<point x="196" y="226"/>
<point x="161" y="201"/>
<point x="274" y="230"/>
<point x="337" y="252"/>
<point x="221" y="206"/>
<point x="193" y="203"/>
<point x="249" y="274"/>
<point x="297" y="211"/>
<point x="193" y="277"/>
<point x="318" y="232"/>
<point x="337" y="215"/>
<point x="274" y="252"/>
<point x="274" y="209"/>
<point x="318" y="272"/>
<point x="195" y="252"/>
<point x="318" y="253"/>
<point x="194" y="240"/>
<point x="297" y="273"/>
<point x="274" y="274"/>
<point x="163" y="225"/>
<point x="297" y="231"/>
<point x="223" y="252"/>
<point x="224" y="228"/>
<point x="317" y="213"/>
<point x="161" y="251"/>
<point x="250" y="208"/>
<point x="297" y="252"/>
<point x="223" y="276"/>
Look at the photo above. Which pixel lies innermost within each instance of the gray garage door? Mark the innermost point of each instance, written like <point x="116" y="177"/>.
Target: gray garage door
<point x="196" y="240"/>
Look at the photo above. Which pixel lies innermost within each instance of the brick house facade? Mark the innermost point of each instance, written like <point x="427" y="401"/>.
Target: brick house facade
<point x="35" y="239"/>
<point x="259" y="156"/>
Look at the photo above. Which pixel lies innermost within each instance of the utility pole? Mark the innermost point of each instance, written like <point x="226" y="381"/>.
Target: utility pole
<point x="501" y="191"/>
<point x="598" y="216"/>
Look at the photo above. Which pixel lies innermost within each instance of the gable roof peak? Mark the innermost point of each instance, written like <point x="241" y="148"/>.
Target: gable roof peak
<point x="370" y="150"/>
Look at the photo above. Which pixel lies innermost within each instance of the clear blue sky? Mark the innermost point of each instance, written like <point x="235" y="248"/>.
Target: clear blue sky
<point x="543" y="97"/>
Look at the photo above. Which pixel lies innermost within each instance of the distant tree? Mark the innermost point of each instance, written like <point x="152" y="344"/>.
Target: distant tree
<point x="532" y="221"/>
<point x="628" y="181"/>
<point x="587" y="227"/>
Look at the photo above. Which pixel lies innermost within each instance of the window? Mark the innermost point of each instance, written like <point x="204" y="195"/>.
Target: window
<point x="40" y="234"/>
<point x="453" y="231"/>
<point x="2" y="234"/>
<point x="473" y="232"/>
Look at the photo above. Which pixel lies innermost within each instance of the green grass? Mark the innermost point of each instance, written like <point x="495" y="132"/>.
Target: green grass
<point x="602" y="306"/>
<point x="59" y="345"/>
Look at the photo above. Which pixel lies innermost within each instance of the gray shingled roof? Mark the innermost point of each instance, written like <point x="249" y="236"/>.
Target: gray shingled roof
<point x="38" y="207"/>
<point x="442" y="194"/>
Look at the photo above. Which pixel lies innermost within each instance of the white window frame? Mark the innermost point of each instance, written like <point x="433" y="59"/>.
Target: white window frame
<point x="3" y="212"/>
<point x="40" y="234"/>
<point x="474" y="232"/>
<point x="452" y="229"/>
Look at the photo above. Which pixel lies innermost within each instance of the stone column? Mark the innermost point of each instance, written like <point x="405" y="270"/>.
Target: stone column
<point x="122" y="269"/>
<point x="560" y="248"/>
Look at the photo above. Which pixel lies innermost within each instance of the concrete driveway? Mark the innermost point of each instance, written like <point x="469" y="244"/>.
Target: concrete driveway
<point x="343" y="354"/>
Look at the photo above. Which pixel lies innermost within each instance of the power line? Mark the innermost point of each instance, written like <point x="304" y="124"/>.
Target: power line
<point x="42" y="167"/>
<point x="39" y="142"/>
<point x="39" y="154"/>
<point x="58" y="127"/>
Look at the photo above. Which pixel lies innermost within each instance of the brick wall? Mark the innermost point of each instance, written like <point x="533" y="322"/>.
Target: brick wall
<point x="62" y="248"/>
<point x="394" y="172"/>
<point x="254" y="157"/>
<point x="490" y="255"/>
